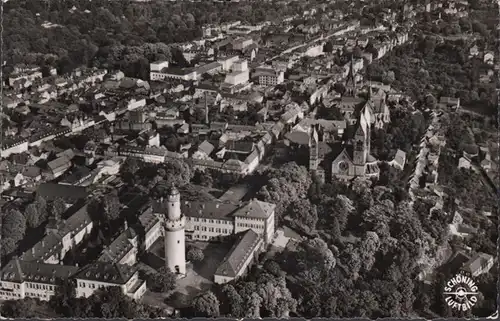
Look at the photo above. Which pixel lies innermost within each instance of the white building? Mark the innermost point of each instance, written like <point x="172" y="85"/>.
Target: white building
<point x="240" y="257"/>
<point x="227" y="62"/>
<point x="479" y="264"/>
<point x="242" y="43"/>
<point x="214" y="220"/>
<point x="60" y="237"/>
<point x="269" y="76"/>
<point x="156" y="69"/>
<point x="239" y="75"/>
<point x="103" y="274"/>
<point x="21" y="279"/>
<point x="160" y="71"/>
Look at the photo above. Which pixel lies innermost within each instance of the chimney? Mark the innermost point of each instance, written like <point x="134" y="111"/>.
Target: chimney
<point x="125" y="225"/>
<point x="217" y="205"/>
<point x="43" y="243"/>
<point x="33" y="250"/>
<point x="206" y="109"/>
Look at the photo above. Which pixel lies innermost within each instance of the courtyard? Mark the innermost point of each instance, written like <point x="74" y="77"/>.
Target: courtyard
<point x="199" y="275"/>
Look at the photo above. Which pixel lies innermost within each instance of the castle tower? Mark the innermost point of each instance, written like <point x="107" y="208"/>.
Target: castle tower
<point x="350" y="83"/>
<point x="313" y="149"/>
<point x="174" y="223"/>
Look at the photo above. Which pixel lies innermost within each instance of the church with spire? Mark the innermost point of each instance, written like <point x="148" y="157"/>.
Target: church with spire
<point x="350" y="157"/>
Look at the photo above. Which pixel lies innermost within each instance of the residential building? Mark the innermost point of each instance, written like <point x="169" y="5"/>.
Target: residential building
<point x="270" y="76"/>
<point x="479" y="264"/>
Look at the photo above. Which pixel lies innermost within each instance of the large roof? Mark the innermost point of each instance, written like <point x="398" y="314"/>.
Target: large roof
<point x="51" y="243"/>
<point x="256" y="209"/>
<point x="214" y="209"/>
<point x="239" y="253"/>
<point x="107" y="272"/>
<point x="119" y="247"/>
<point x="20" y="271"/>
<point x="52" y="191"/>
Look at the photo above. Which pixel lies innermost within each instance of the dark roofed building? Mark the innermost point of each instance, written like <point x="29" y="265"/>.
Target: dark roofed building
<point x="40" y="279"/>
<point x="105" y="274"/>
<point x="51" y="191"/>
<point x="239" y="258"/>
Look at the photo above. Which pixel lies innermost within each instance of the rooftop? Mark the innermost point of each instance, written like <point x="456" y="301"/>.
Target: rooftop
<point x="242" y="249"/>
<point x="107" y="272"/>
<point x="21" y="271"/>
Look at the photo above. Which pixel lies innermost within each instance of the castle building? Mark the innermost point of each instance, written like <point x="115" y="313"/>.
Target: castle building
<point x="36" y="272"/>
<point x="174" y="224"/>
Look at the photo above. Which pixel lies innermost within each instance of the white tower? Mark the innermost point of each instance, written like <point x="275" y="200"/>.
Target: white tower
<point x="174" y="223"/>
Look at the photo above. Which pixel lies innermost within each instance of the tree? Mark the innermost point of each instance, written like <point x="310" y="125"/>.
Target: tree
<point x="195" y="254"/>
<point x="303" y="215"/>
<point x="162" y="281"/>
<point x="131" y="165"/>
<point x="8" y="246"/>
<point x="205" y="304"/>
<point x="357" y="52"/>
<point x="111" y="205"/>
<point x="33" y="215"/>
<point x="64" y="297"/>
<point x="58" y="208"/>
<point x="13" y="225"/>
<point x="232" y="303"/>
<point x="111" y="302"/>
<point x="284" y="185"/>
<point x="18" y="308"/>
<point x="328" y="47"/>
<point x="369" y="247"/>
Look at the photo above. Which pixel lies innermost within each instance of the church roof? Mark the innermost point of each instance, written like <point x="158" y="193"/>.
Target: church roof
<point x="298" y="137"/>
<point x="342" y="149"/>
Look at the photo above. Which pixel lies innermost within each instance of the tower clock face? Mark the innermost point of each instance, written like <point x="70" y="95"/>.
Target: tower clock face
<point x="343" y="167"/>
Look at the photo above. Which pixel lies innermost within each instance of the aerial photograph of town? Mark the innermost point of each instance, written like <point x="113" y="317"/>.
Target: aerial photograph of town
<point x="249" y="159"/>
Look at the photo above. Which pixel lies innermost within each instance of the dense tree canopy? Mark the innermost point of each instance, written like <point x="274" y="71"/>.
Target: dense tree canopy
<point x="126" y="34"/>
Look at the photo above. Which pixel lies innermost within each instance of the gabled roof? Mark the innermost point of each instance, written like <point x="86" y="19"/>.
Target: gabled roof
<point x="58" y="163"/>
<point x="214" y="209"/>
<point x="239" y="253"/>
<point x="119" y="247"/>
<point x="19" y="271"/>
<point x="298" y="137"/>
<point x="206" y="147"/>
<point x="256" y="209"/>
<point x="477" y="262"/>
<point x="51" y="191"/>
<point x="106" y="272"/>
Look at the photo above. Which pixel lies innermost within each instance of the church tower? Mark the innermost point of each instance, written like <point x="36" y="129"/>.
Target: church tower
<point x="361" y="142"/>
<point x="313" y="149"/>
<point x="350" y="83"/>
<point x="174" y="224"/>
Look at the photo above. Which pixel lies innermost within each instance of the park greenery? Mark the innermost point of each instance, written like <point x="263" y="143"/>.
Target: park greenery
<point x="127" y="35"/>
<point x="362" y="242"/>
<point x="438" y="64"/>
